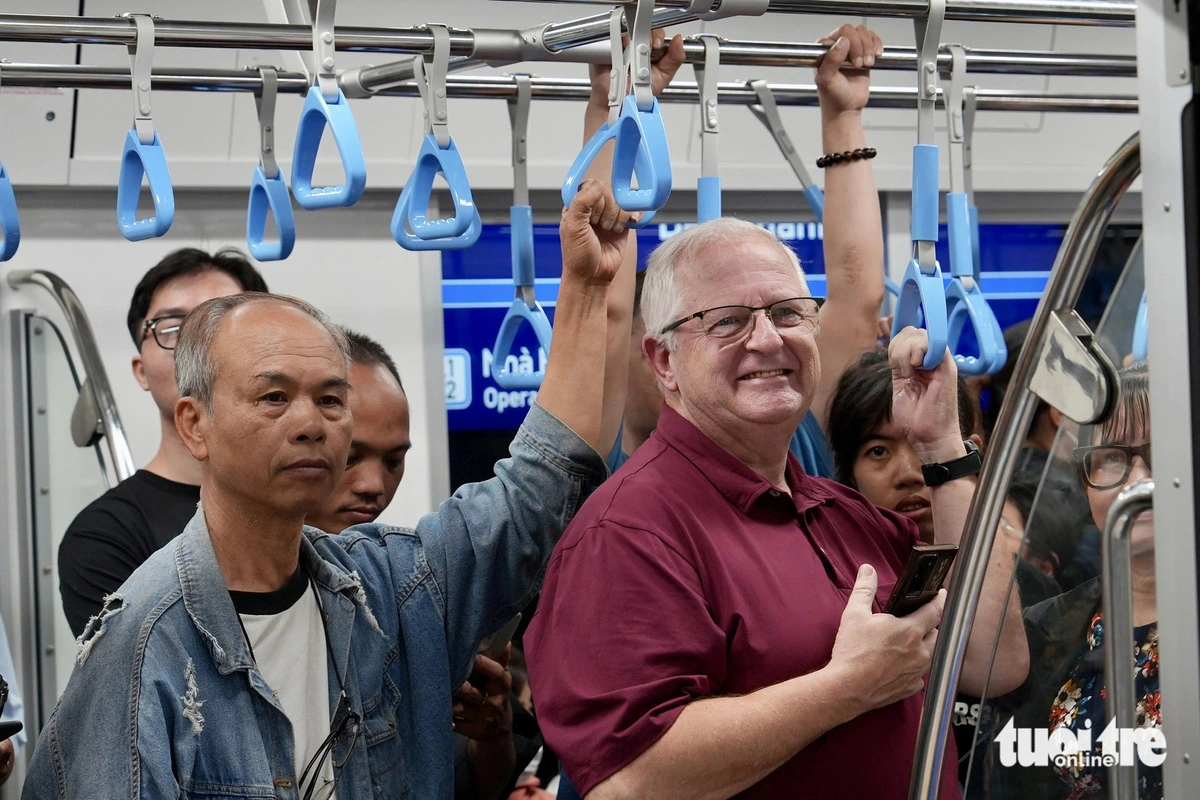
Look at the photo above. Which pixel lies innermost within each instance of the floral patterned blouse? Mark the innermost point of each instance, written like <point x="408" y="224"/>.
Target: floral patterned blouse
<point x="1082" y="698"/>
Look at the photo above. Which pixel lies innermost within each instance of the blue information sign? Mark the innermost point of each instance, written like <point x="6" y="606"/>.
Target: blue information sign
<point x="477" y="291"/>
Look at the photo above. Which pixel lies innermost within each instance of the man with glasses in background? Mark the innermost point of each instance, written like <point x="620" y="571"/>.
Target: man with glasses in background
<point x="111" y="538"/>
<point x="732" y="597"/>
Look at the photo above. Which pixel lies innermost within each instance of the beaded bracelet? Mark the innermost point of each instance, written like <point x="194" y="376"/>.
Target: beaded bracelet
<point x="841" y="158"/>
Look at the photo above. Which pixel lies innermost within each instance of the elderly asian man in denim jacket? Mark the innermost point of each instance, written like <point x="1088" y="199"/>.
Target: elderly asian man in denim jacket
<point x="202" y="676"/>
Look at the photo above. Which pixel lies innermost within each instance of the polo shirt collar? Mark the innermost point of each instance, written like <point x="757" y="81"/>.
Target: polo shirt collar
<point x="741" y="486"/>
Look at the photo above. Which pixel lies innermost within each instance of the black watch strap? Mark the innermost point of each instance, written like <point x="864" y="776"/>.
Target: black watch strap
<point x="970" y="464"/>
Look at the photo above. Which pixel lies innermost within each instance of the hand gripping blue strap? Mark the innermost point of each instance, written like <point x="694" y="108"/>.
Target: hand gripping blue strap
<point x="270" y="194"/>
<point x="708" y="198"/>
<point x="316" y="114"/>
<point x="411" y="228"/>
<point x="525" y="307"/>
<point x="10" y="226"/>
<point x="149" y="160"/>
<point x="1139" y="331"/>
<point x="923" y="295"/>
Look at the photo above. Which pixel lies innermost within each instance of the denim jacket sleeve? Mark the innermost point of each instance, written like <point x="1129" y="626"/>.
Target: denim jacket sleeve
<point x="488" y="545"/>
<point x="108" y="737"/>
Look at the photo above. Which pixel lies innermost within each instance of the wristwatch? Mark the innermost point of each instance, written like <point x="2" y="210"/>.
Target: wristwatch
<point x="970" y="464"/>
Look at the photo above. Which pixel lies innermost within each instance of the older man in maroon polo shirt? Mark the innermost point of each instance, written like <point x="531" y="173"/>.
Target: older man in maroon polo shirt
<point x="719" y="630"/>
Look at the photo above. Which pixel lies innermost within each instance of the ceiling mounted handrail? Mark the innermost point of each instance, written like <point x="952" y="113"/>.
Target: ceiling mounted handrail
<point x="76" y="76"/>
<point x="93" y="365"/>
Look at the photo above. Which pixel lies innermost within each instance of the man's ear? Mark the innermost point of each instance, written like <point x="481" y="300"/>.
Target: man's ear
<point x="1056" y="417"/>
<point x="139" y="372"/>
<point x="660" y="362"/>
<point x="977" y="439"/>
<point x="193" y="424"/>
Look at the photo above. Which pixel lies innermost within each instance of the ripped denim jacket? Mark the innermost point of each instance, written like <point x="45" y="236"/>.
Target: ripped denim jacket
<point x="165" y="700"/>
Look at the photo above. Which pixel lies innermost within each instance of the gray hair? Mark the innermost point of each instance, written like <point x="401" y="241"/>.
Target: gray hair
<point x="662" y="299"/>
<point x="195" y="371"/>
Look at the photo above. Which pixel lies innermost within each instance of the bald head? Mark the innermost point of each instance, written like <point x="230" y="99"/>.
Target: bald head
<point x="258" y="315"/>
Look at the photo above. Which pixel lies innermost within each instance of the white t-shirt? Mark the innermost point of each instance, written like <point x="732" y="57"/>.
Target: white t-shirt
<point x="287" y="637"/>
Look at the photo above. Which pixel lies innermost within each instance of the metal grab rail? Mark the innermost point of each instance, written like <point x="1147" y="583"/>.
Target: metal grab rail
<point x="488" y="43"/>
<point x="1062" y="291"/>
<point x="1117" y="591"/>
<point x="370" y="79"/>
<point x="74" y="76"/>
<point x="109" y="422"/>
<point x="561" y="41"/>
<point x="1058" y="12"/>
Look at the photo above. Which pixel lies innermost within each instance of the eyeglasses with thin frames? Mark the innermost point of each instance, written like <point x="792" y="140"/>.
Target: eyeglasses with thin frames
<point x="731" y="323"/>
<point x="165" y="331"/>
<point x="346" y="722"/>
<point x="1103" y="466"/>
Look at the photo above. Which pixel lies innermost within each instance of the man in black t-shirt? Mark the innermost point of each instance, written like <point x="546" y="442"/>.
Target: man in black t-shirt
<point x="121" y="529"/>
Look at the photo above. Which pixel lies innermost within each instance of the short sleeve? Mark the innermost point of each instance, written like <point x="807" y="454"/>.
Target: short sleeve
<point x="98" y="553"/>
<point x="609" y="678"/>
<point x="900" y="531"/>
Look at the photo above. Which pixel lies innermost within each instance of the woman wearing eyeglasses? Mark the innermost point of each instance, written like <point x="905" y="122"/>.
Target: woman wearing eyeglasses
<point x="1067" y="634"/>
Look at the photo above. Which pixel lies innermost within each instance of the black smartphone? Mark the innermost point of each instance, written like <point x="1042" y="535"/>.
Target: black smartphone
<point x="923" y="575"/>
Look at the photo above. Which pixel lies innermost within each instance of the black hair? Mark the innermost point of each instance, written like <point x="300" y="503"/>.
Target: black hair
<point x="368" y="352"/>
<point x="997" y="385"/>
<point x="863" y="401"/>
<point x="1051" y="528"/>
<point x="188" y="261"/>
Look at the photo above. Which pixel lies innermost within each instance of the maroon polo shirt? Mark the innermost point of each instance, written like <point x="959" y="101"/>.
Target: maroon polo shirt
<point x="687" y="575"/>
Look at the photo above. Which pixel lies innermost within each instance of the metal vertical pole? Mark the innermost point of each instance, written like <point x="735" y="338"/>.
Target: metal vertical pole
<point x="1171" y="233"/>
